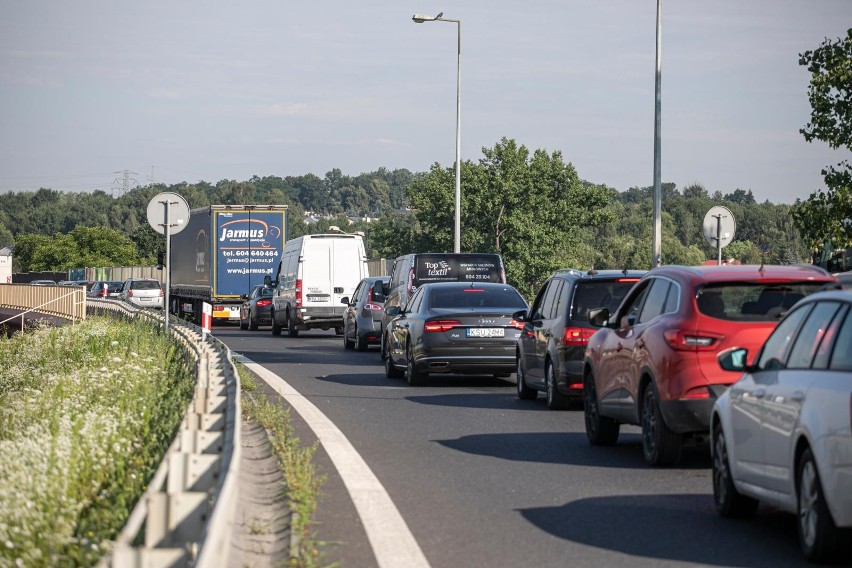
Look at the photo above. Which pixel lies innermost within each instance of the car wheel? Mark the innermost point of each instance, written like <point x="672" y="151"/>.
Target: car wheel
<point x="555" y="399"/>
<point x="414" y="377"/>
<point x="346" y="344"/>
<point x="360" y="344"/>
<point x="660" y="446"/>
<point x="391" y="371"/>
<point x="252" y="323"/>
<point x="729" y="501"/>
<point x="276" y="328"/>
<point x="524" y="392"/>
<point x="600" y="430"/>
<point x="819" y="537"/>
<point x="291" y="328"/>
<point x="243" y="324"/>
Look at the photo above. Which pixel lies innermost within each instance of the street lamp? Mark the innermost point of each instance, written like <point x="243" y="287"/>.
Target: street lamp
<point x="419" y="19"/>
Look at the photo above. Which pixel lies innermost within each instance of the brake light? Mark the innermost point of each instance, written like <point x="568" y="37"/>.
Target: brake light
<point x="373" y="307"/>
<point x="576" y="335"/>
<point x="697" y="392"/>
<point x="102" y="292"/>
<point x="516" y="324"/>
<point x="263" y="303"/>
<point x="473" y="290"/>
<point x="218" y="308"/>
<point x="691" y="340"/>
<point x="627" y="280"/>
<point x="440" y="325"/>
<point x="299" y="293"/>
<point x="130" y="292"/>
<point x="162" y="293"/>
<point x="411" y="282"/>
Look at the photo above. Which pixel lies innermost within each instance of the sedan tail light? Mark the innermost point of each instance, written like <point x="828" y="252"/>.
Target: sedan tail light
<point x="373" y="307"/>
<point x="263" y="303"/>
<point x="516" y="324"/>
<point x="576" y="335"/>
<point x="692" y="340"/>
<point x="696" y="392"/>
<point x="440" y="325"/>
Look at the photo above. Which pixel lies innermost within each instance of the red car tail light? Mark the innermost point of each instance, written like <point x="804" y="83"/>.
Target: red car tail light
<point x="696" y="392"/>
<point x="576" y="335"/>
<point x="373" y="307"/>
<point x="691" y="340"/>
<point x="440" y="325"/>
<point x="162" y="294"/>
<point x="263" y="303"/>
<point x="298" y="293"/>
<point x="627" y="280"/>
<point x="102" y="292"/>
<point x="130" y="292"/>
<point x="516" y="324"/>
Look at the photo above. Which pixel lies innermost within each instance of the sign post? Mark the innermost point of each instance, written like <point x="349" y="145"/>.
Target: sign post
<point x="719" y="229"/>
<point x="168" y="214"/>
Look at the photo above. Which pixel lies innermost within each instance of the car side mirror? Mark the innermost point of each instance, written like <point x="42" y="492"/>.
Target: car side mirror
<point x="344" y="300"/>
<point x="268" y="282"/>
<point x="393" y="310"/>
<point x="733" y="359"/>
<point x="599" y="317"/>
<point x="520" y="315"/>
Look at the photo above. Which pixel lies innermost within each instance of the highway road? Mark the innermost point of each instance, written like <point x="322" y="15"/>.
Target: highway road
<point x="484" y="479"/>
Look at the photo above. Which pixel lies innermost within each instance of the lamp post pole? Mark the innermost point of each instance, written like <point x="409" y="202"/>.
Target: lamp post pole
<point x="419" y="18"/>
<point x="656" y="253"/>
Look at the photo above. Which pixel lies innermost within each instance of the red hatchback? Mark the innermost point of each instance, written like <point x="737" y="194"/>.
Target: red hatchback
<point x="653" y="363"/>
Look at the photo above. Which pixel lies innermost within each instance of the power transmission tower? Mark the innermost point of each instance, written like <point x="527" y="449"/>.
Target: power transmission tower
<point x="151" y="178"/>
<point x="126" y="181"/>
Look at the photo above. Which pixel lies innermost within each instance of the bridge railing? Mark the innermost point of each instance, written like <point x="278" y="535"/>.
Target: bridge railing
<point x="68" y="302"/>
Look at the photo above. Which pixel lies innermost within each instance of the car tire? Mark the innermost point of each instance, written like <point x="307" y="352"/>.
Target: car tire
<point x="276" y="327"/>
<point x="243" y="325"/>
<point x="660" y="445"/>
<point x="555" y="399"/>
<point x="600" y="430"/>
<point x="391" y="371"/>
<point x="291" y="329"/>
<point x="414" y="377"/>
<point x="524" y="392"/>
<point x="360" y="344"/>
<point x="729" y="502"/>
<point x="346" y="344"/>
<point x="819" y="537"/>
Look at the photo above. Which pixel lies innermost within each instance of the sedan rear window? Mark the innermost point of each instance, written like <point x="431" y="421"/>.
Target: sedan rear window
<point x="745" y="301"/>
<point x="476" y="298"/>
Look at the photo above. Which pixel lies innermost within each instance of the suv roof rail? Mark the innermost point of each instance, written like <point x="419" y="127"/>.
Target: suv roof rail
<point x="572" y="271"/>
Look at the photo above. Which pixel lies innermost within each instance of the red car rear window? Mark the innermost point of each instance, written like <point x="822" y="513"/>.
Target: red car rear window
<point x="747" y="301"/>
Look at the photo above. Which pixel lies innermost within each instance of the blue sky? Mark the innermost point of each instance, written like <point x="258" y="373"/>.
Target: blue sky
<point x="188" y="91"/>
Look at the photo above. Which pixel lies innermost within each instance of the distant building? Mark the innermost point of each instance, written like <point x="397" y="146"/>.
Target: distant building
<point x="6" y="265"/>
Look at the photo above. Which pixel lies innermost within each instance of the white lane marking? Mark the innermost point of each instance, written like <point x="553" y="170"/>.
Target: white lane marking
<point x="391" y="540"/>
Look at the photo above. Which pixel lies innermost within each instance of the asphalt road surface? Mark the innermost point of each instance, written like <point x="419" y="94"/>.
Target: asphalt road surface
<point x="484" y="479"/>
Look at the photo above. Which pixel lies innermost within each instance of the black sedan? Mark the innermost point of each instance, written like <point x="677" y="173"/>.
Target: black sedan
<point x="454" y="327"/>
<point x="256" y="309"/>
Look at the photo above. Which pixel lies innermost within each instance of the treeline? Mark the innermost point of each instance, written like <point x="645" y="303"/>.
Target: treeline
<point x="531" y="207"/>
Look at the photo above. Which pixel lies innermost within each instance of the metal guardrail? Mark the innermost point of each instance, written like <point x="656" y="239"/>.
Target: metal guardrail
<point x="68" y="302"/>
<point x="186" y="515"/>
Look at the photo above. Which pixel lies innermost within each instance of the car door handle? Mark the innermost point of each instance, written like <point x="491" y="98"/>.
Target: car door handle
<point x="759" y="393"/>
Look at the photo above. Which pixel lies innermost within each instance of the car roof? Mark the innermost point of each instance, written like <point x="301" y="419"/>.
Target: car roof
<point x="466" y="285"/>
<point x="725" y="273"/>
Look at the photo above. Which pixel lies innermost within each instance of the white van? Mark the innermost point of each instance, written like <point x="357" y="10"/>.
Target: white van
<point x="313" y="273"/>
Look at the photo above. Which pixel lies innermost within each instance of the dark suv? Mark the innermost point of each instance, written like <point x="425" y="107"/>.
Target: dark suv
<point x="556" y="329"/>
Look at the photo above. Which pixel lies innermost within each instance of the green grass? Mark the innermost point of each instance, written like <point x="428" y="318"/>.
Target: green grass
<point x="301" y="480"/>
<point x="87" y="413"/>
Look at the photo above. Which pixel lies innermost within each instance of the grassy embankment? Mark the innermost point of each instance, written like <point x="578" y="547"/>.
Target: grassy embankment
<point x="87" y="413"/>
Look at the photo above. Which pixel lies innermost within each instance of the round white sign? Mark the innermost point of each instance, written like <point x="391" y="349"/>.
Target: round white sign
<point x="168" y="209"/>
<point x="719" y="222"/>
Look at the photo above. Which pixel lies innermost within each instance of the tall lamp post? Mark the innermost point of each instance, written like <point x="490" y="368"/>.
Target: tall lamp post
<point x="419" y="19"/>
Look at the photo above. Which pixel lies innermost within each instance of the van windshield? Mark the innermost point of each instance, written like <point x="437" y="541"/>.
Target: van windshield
<point x="457" y="268"/>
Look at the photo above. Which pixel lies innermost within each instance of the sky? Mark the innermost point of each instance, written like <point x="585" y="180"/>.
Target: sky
<point x="210" y="90"/>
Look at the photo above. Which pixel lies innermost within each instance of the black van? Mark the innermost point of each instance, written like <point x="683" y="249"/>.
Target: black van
<point x="411" y="270"/>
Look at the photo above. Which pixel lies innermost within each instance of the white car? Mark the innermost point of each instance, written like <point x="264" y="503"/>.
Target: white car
<point x="782" y="434"/>
<point x="143" y="292"/>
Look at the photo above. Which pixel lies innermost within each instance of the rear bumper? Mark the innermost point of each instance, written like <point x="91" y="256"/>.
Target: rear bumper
<point x="467" y="361"/>
<point x="690" y="415"/>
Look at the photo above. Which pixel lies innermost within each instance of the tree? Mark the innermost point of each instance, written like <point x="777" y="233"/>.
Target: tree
<point x="527" y="207"/>
<point x="826" y="215"/>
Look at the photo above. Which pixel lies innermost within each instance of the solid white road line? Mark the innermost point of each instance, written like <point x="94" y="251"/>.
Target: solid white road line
<point x="392" y="541"/>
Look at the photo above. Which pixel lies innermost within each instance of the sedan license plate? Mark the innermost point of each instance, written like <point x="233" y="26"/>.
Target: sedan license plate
<point x="485" y="332"/>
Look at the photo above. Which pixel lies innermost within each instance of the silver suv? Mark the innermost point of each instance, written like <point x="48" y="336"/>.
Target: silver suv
<point x="143" y="292"/>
